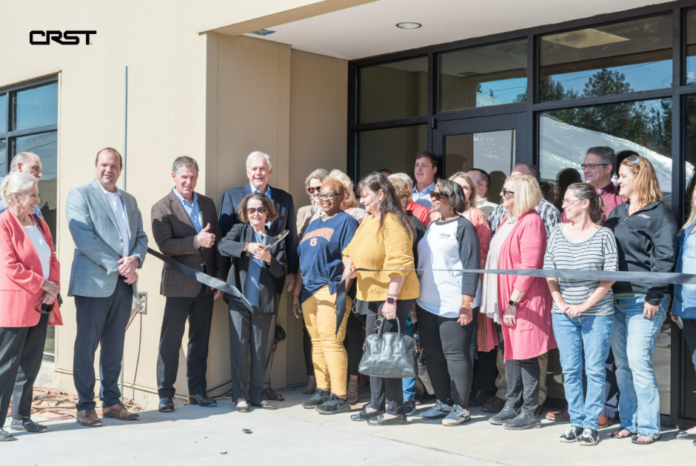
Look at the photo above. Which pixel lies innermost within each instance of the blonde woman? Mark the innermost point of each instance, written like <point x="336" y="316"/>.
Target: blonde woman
<point x="522" y="303"/>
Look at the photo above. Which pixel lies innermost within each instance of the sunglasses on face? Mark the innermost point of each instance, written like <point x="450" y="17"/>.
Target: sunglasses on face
<point x="634" y="159"/>
<point x="437" y="196"/>
<point x="507" y="193"/>
<point x="251" y="210"/>
<point x="311" y="190"/>
<point x="592" y="166"/>
<point x="330" y="197"/>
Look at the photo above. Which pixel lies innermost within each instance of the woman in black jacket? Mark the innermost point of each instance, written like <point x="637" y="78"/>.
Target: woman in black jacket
<point x="646" y="233"/>
<point x="254" y="270"/>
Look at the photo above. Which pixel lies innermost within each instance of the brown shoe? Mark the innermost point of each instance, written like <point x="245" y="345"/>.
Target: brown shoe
<point x="273" y="396"/>
<point x="352" y="395"/>
<point x="494" y="406"/>
<point x="559" y="416"/>
<point x="118" y="411"/>
<point x="88" y="418"/>
<point x="605" y="421"/>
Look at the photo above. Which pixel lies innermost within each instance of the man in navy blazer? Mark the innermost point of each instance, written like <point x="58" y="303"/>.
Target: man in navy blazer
<point x="259" y="169"/>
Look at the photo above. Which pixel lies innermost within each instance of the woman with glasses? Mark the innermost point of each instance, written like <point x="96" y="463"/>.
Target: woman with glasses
<point x="383" y="242"/>
<point x="684" y="306"/>
<point x="29" y="286"/>
<point x="522" y="303"/>
<point x="446" y="309"/>
<point x="321" y="269"/>
<point x="583" y="310"/>
<point x="646" y="233"/>
<point x="253" y="270"/>
<point x="304" y="216"/>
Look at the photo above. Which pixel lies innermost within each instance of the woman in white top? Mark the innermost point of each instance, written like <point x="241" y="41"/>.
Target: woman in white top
<point x="29" y="286"/>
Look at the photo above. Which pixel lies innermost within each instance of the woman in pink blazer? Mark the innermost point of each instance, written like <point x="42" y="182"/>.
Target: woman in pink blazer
<point x="524" y="303"/>
<point x="29" y="286"/>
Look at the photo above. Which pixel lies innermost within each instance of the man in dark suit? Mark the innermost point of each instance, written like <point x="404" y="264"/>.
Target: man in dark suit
<point x="185" y="227"/>
<point x="259" y="169"/>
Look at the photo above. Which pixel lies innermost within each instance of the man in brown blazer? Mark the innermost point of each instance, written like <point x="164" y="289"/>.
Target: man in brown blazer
<point x="186" y="228"/>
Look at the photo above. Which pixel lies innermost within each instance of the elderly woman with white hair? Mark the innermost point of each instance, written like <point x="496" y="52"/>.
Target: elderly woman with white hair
<point x="29" y="286"/>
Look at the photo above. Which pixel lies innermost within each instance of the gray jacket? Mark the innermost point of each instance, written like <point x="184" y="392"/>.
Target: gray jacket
<point x="98" y="242"/>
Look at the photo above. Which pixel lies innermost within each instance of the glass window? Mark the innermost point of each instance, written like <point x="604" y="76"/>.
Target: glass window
<point x="35" y="107"/>
<point x="3" y="157"/>
<point x="690" y="47"/>
<point x="612" y="59"/>
<point x="689" y="148"/>
<point x="482" y="76"/>
<point x="3" y="113"/>
<point x="394" y="149"/>
<point x="644" y="127"/>
<point x="393" y="90"/>
<point x="689" y="383"/>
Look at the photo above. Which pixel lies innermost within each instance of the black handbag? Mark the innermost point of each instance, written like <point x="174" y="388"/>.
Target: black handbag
<point x="46" y="308"/>
<point x="389" y="355"/>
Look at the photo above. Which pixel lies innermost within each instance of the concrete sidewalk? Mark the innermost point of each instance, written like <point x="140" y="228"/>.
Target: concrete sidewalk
<point x="295" y="436"/>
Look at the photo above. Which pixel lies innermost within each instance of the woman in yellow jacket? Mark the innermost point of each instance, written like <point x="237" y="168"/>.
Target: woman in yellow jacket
<point x="383" y="242"/>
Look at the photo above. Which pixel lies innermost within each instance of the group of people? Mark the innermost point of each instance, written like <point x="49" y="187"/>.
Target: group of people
<point x="406" y="252"/>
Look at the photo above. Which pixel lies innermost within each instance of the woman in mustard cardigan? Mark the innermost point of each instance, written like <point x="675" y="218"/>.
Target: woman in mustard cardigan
<point x="383" y="242"/>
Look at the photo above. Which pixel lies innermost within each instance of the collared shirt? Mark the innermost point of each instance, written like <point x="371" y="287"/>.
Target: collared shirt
<point x="117" y="207"/>
<point x="423" y="197"/>
<point x="3" y="206"/>
<point x="192" y="210"/>
<point x="485" y="206"/>
<point x="610" y="196"/>
<point x="267" y="193"/>
<point x="548" y="212"/>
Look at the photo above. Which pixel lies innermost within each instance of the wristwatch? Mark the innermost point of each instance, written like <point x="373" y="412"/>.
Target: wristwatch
<point x="391" y="300"/>
<point x="513" y="303"/>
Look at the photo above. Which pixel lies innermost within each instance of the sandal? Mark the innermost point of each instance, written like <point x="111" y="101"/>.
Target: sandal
<point x="616" y="433"/>
<point x="635" y="440"/>
<point x="352" y="395"/>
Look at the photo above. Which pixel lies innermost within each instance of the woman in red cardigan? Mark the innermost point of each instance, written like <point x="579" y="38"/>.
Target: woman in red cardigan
<point x="29" y="285"/>
<point x="524" y="303"/>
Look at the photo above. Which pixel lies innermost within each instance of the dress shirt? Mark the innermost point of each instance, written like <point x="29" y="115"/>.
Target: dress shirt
<point x="423" y="197"/>
<point x="116" y="203"/>
<point x="267" y="193"/>
<point x="548" y="212"/>
<point x="192" y="210"/>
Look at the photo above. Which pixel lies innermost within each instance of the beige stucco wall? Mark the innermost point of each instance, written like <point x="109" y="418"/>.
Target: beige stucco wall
<point x="210" y="96"/>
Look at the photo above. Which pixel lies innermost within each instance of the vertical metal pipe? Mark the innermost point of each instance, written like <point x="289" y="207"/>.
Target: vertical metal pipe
<point x="125" y="157"/>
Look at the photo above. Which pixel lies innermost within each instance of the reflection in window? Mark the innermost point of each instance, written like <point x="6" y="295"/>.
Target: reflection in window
<point x="3" y="113"/>
<point x="690" y="47"/>
<point x="644" y="127"/>
<point x="613" y="59"/>
<point x="482" y="76"/>
<point x="35" y="107"/>
<point x="393" y="90"/>
<point x="689" y="149"/>
<point x="394" y="149"/>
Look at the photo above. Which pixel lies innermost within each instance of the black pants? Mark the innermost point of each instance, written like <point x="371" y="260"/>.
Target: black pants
<point x="21" y="353"/>
<point x="101" y="321"/>
<point x="611" y="387"/>
<point x="199" y="313"/>
<point x="447" y="345"/>
<point x="387" y="393"/>
<point x="523" y="384"/>
<point x="307" y="350"/>
<point x="249" y="336"/>
<point x="486" y="372"/>
<point x="354" y="343"/>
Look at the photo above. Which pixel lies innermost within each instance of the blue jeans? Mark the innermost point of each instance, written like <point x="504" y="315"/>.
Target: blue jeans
<point x="633" y="343"/>
<point x="593" y="333"/>
<point x="409" y="385"/>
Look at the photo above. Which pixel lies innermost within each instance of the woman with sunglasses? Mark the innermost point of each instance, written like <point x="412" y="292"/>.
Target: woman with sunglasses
<point x="522" y="303"/>
<point x="314" y="296"/>
<point x="253" y="270"/>
<point x="646" y="233"/>
<point x="383" y="242"/>
<point x="583" y="310"/>
<point x="304" y="216"/>
<point x="684" y="307"/>
<point x="29" y="286"/>
<point x="445" y="308"/>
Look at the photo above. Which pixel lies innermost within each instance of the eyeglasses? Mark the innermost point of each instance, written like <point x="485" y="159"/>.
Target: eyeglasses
<point x="328" y="196"/>
<point x="567" y="202"/>
<point x="437" y="196"/>
<point x="507" y="193"/>
<point x="634" y="159"/>
<point x="251" y="210"/>
<point x="592" y="166"/>
<point x="311" y="190"/>
<point x="39" y="308"/>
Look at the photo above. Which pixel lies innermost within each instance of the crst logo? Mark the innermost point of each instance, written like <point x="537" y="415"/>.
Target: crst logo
<point x="62" y="38"/>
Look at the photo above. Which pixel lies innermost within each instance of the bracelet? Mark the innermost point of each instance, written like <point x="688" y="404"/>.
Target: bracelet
<point x="467" y="304"/>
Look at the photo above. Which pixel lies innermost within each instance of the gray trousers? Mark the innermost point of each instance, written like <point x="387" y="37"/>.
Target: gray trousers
<point x="523" y="384"/>
<point x="101" y="321"/>
<point x="21" y="353"/>
<point x="249" y="336"/>
<point x="271" y="346"/>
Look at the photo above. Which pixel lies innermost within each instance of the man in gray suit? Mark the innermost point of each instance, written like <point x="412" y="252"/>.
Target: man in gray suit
<point x="110" y="245"/>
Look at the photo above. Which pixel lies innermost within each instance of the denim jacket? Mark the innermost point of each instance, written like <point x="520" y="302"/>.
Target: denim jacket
<point x="685" y="295"/>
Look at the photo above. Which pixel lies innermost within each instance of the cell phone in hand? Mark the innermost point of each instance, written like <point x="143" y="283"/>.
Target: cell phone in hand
<point x="679" y="323"/>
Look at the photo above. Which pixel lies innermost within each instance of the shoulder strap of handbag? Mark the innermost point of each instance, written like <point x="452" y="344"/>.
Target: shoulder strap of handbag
<point x="38" y="223"/>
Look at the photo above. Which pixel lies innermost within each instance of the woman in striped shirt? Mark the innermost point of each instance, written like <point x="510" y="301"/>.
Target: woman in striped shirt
<point x="583" y="310"/>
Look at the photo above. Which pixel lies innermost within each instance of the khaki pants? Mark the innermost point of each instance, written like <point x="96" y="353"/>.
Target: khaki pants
<point x="329" y="356"/>
<point x="501" y="381"/>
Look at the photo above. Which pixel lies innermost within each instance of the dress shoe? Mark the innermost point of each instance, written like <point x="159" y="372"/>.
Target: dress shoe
<point x="264" y="405"/>
<point x="523" y="421"/>
<point x="118" y="411"/>
<point x="559" y="416"/>
<point x="494" y="406"/>
<point x="273" y="396"/>
<point x="605" y="421"/>
<point x="88" y="418"/>
<point x="380" y="421"/>
<point x="166" y="405"/>
<point x="365" y="416"/>
<point x="28" y="425"/>
<point x="506" y="414"/>
<point x="202" y="400"/>
<point x="683" y="435"/>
